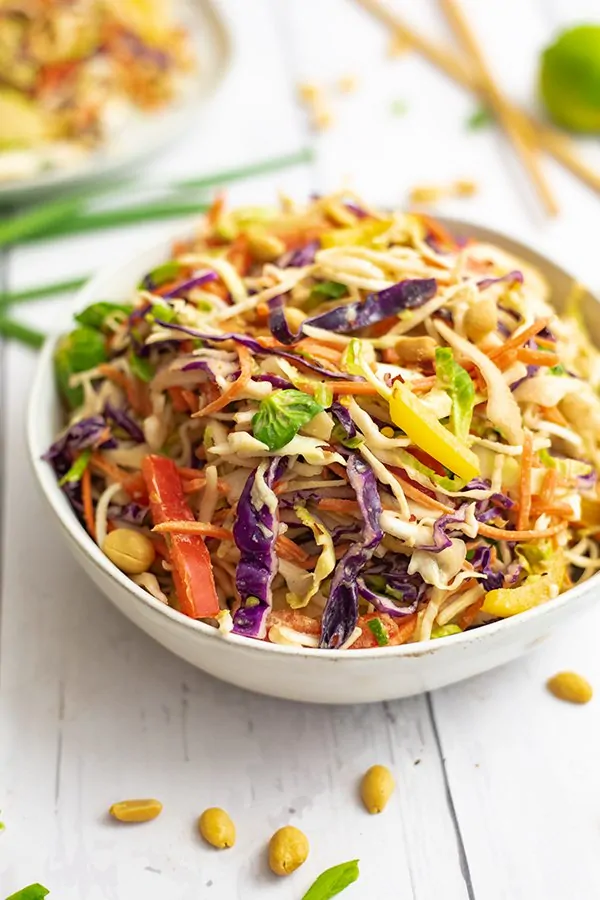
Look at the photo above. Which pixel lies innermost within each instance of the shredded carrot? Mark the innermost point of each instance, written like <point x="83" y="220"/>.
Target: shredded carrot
<point x="334" y="504"/>
<point x="135" y="389"/>
<point x="290" y="551"/>
<point x="262" y="312"/>
<point x="537" y="357"/>
<point x="316" y="348"/>
<point x="196" y="484"/>
<point x="525" y="483"/>
<point x="338" y="470"/>
<point x="100" y="464"/>
<point x="239" y="255"/>
<point x="115" y="375"/>
<point x="501" y="534"/>
<point x="356" y="388"/>
<point x="234" y="390"/>
<point x="553" y="414"/>
<point x="420" y="385"/>
<point x="88" y="506"/>
<point x="216" y="209"/>
<point x="206" y="529"/>
<point x="549" y="486"/>
<point x="437" y="230"/>
<point x="470" y="613"/>
<point x="544" y="342"/>
<point x="178" y="400"/>
<point x="190" y="398"/>
<point x="518" y="338"/>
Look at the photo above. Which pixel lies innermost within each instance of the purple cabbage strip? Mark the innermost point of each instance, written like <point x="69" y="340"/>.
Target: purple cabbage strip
<point x="386" y="604"/>
<point x="124" y="421"/>
<point x="256" y="348"/>
<point x="255" y="534"/>
<point x="481" y="563"/>
<point x="342" y="414"/>
<point x="514" y="277"/>
<point x="408" y="294"/>
<point x="82" y="434"/>
<point x="279" y="383"/>
<point x="358" y="212"/>
<point x="441" y="527"/>
<point x="296" y="259"/>
<point x="531" y="371"/>
<point x="200" y="364"/>
<point x="188" y="285"/>
<point x="341" y="610"/>
<point x="132" y="513"/>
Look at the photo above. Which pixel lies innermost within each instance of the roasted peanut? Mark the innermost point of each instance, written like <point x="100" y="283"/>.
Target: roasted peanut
<point x="376" y="788"/>
<point x="480" y="319"/>
<point x="571" y="687"/>
<point x="216" y="828"/>
<point x="264" y="247"/>
<point x="131" y="551"/>
<point x="288" y="849"/>
<point x="414" y="350"/>
<point x="136" y="810"/>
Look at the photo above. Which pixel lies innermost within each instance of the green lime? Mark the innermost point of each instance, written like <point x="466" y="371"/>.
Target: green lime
<point x="570" y="79"/>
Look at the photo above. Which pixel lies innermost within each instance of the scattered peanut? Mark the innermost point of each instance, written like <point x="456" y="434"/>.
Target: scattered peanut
<point x="216" y="828"/>
<point x="294" y="317"/>
<point x="288" y="849"/>
<point x="264" y="247"/>
<point x="480" y="319"/>
<point x="131" y="551"/>
<point x="376" y="788"/>
<point x="415" y="349"/>
<point x="136" y="810"/>
<point x="347" y="84"/>
<point x="571" y="687"/>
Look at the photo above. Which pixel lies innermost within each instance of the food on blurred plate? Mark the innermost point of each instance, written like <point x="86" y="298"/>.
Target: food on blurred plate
<point x="425" y="194"/>
<point x="376" y="788"/>
<point x="339" y="428"/>
<point x="136" y="810"/>
<point x="570" y="79"/>
<point x="72" y="71"/>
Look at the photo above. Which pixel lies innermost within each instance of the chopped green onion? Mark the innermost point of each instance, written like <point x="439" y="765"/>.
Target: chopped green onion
<point x="42" y="290"/>
<point x="480" y="118"/>
<point x="140" y="367"/>
<point x="77" y="469"/>
<point x="379" y="632"/>
<point x="444" y="631"/>
<point x="18" y="332"/>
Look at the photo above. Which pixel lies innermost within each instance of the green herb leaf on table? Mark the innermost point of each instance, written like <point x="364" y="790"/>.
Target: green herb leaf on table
<point x="31" y="892"/>
<point x="281" y="415"/>
<point x="333" y="881"/>
<point x="482" y="117"/>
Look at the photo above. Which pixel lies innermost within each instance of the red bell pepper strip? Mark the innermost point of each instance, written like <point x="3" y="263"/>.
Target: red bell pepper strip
<point x="192" y="568"/>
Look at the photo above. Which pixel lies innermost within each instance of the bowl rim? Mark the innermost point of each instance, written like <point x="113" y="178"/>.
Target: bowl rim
<point x="69" y="523"/>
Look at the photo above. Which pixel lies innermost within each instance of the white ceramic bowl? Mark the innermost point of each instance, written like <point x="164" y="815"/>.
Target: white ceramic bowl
<point x="318" y="676"/>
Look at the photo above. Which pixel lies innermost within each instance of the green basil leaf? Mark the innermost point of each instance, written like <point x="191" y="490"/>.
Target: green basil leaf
<point x="329" y="290"/>
<point x="78" y="468"/>
<point x="140" y="367"/>
<point x="379" y="632"/>
<point x="333" y="881"/>
<point x="78" y="351"/>
<point x="160" y="275"/>
<point x="459" y="385"/>
<point x="95" y="315"/>
<point x="32" y="892"/>
<point x="281" y="415"/>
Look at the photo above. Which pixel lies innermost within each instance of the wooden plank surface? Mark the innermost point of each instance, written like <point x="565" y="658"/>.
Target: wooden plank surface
<point x="498" y="784"/>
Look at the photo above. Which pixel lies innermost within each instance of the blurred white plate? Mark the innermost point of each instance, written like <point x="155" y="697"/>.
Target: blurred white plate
<point x="142" y="135"/>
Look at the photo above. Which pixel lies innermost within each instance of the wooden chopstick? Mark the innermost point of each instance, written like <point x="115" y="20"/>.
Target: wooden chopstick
<point x="520" y="136"/>
<point x="548" y="138"/>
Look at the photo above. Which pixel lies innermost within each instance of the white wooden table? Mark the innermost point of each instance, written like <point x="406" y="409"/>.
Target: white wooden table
<point x="498" y="792"/>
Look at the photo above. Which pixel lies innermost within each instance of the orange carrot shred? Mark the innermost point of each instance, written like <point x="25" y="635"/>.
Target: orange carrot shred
<point x="525" y="483"/>
<point x="235" y="389"/>
<point x="88" y="506"/>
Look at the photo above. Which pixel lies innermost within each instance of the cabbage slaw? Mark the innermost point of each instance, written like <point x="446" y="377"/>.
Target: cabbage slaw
<point x="366" y="432"/>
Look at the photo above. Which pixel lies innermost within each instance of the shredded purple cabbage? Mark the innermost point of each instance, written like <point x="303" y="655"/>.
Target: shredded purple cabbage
<point x="342" y="414"/>
<point x="441" y="527"/>
<point x="514" y="277"/>
<point x="132" y="513"/>
<point x="481" y="563"/>
<point x="255" y="535"/>
<point x="259" y="350"/>
<point x="296" y="259"/>
<point x="531" y="371"/>
<point x="341" y="610"/>
<point x="124" y="421"/>
<point x="188" y="285"/>
<point x="408" y="294"/>
<point x="82" y="434"/>
<point x="386" y="604"/>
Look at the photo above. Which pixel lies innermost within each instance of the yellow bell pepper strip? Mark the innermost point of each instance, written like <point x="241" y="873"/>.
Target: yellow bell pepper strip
<point x="422" y="427"/>
<point x="192" y="568"/>
<point x="504" y="602"/>
<point x="362" y="235"/>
